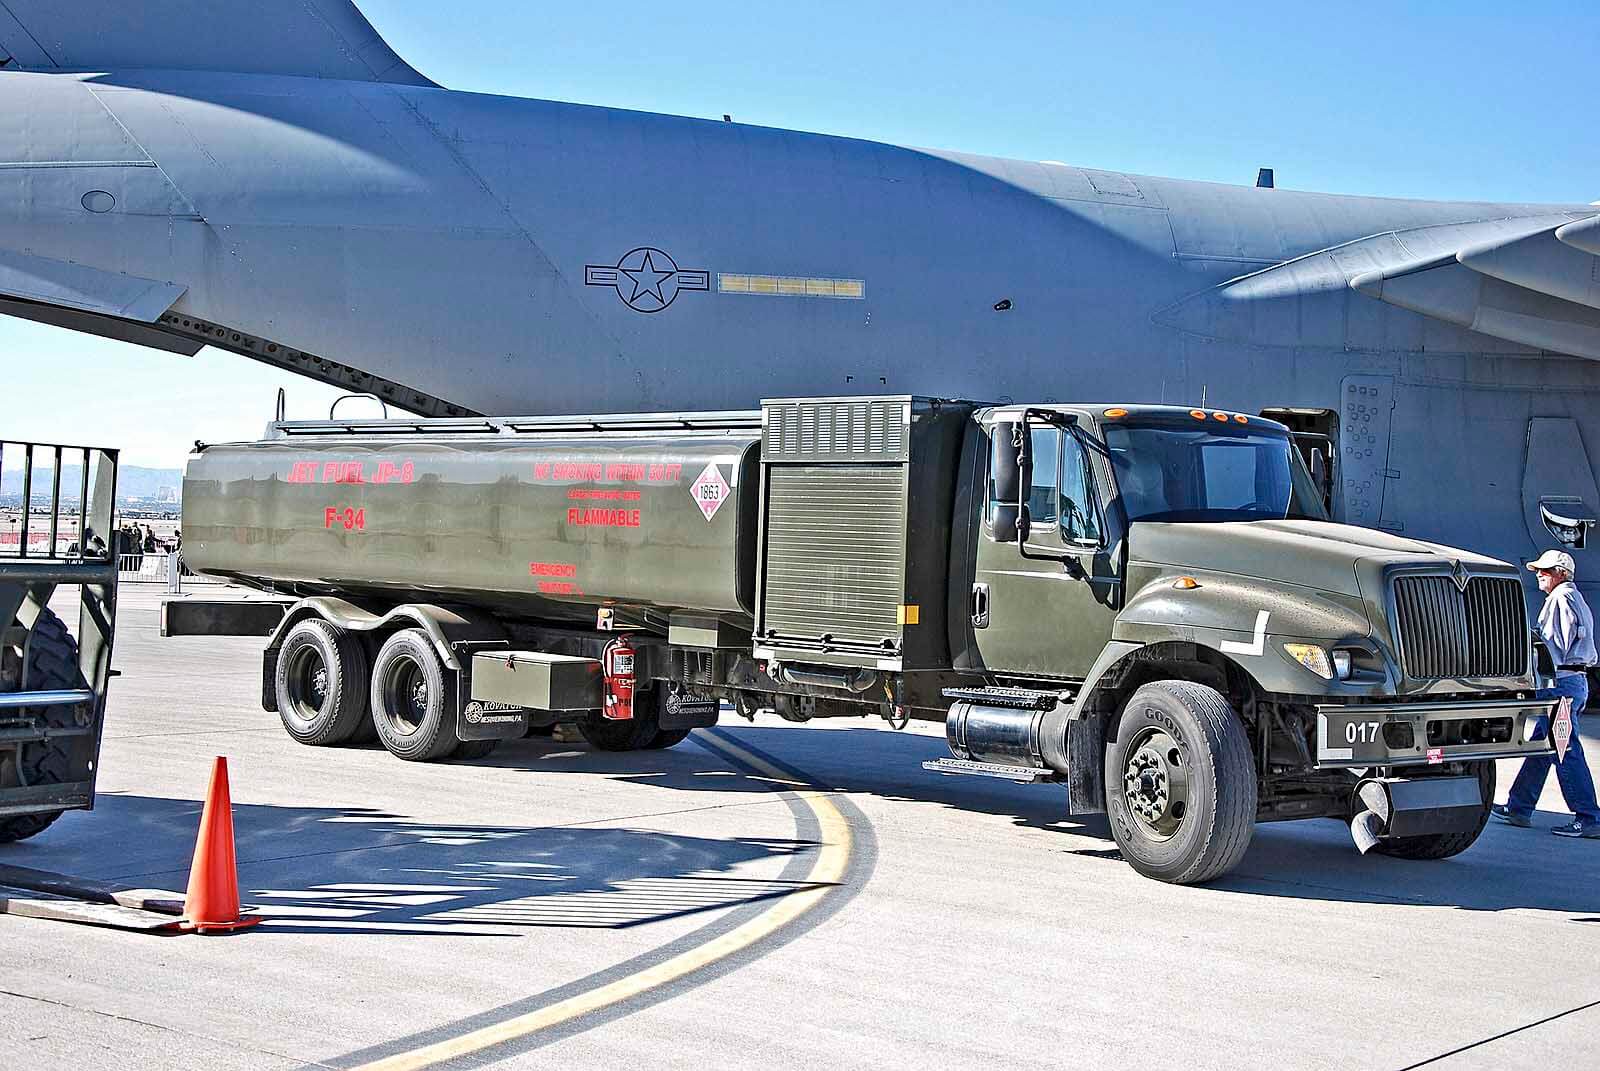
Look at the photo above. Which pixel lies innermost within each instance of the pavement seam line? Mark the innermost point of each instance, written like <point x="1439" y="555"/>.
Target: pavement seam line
<point x="1500" y="1036"/>
<point x="832" y="862"/>
<point x="163" y="1028"/>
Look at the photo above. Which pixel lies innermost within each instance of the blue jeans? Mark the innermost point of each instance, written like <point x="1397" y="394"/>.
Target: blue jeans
<point x="1572" y="773"/>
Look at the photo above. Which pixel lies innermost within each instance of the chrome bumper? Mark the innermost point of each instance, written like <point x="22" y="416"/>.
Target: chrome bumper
<point x="1421" y="734"/>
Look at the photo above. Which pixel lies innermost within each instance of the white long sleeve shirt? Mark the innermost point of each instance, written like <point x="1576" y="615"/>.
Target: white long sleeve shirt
<point x="1567" y="626"/>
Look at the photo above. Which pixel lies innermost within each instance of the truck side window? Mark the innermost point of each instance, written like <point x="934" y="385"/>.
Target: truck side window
<point x="1080" y="522"/>
<point x="1042" y="492"/>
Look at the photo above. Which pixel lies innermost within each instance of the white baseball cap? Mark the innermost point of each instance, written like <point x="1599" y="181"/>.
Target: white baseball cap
<point x="1555" y="559"/>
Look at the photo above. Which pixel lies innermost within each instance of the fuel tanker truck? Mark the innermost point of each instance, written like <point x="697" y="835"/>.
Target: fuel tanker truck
<point x="1145" y="604"/>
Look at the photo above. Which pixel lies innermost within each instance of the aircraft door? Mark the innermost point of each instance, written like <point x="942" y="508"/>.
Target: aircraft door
<point x="1044" y="608"/>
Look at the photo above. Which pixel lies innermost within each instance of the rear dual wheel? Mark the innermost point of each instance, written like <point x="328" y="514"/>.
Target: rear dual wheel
<point x="321" y="682"/>
<point x="327" y="694"/>
<point x="642" y="732"/>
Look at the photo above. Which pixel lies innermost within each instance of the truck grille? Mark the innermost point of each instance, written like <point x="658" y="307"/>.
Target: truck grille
<point x="835" y="556"/>
<point x="1445" y="631"/>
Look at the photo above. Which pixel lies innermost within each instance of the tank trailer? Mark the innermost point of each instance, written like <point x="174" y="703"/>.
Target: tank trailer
<point x="1145" y="604"/>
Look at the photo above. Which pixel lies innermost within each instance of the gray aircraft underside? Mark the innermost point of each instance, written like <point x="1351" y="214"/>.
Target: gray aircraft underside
<point x="311" y="201"/>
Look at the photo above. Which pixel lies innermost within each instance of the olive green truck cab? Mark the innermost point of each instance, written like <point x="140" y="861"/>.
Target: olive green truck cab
<point x="1146" y="604"/>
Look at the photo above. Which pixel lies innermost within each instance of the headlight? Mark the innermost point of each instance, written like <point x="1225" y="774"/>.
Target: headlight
<point x="1341" y="665"/>
<point x="1312" y="657"/>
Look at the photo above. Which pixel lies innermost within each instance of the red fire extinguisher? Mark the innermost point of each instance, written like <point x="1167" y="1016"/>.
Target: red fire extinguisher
<point x="617" y="666"/>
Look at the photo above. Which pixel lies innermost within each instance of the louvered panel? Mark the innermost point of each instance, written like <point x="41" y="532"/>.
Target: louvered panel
<point x="849" y="429"/>
<point x="1444" y="631"/>
<point x="835" y="553"/>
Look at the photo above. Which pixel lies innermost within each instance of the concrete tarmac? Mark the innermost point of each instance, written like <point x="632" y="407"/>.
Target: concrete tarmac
<point x="708" y="907"/>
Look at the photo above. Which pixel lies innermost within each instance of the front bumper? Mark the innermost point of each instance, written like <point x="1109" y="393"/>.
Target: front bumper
<point x="1355" y="735"/>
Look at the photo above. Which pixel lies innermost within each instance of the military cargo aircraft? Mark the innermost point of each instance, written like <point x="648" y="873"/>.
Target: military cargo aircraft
<point x="271" y="179"/>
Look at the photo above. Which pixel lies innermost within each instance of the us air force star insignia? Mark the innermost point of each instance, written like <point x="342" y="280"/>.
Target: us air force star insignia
<point x="646" y="279"/>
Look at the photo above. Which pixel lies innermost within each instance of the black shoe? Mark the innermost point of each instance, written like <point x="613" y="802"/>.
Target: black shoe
<point x="1512" y="818"/>
<point x="1579" y="829"/>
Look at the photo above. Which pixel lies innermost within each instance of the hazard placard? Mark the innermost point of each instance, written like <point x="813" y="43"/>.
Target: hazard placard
<point x="710" y="490"/>
<point x="1561" y="728"/>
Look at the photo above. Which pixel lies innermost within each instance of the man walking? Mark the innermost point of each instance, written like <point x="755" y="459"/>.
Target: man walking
<point x="1567" y="627"/>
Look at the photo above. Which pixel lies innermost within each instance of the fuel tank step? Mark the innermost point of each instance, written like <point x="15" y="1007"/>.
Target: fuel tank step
<point x="1014" y="698"/>
<point x="1023" y="775"/>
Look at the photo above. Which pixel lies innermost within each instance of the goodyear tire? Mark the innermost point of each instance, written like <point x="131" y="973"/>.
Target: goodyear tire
<point x="51" y="663"/>
<point x="635" y="734"/>
<point x="1444" y="845"/>
<point x="409" y="704"/>
<point x="322" y="682"/>
<point x="1180" y="783"/>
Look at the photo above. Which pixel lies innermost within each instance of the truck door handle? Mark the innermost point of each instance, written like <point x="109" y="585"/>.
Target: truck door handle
<point x="980" y="606"/>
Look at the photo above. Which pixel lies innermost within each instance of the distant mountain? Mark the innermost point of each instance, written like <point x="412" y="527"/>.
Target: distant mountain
<point x="132" y="482"/>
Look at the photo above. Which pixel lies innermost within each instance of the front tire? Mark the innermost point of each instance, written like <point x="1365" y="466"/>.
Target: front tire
<point x="51" y="664"/>
<point x="1180" y="783"/>
<point x="1444" y="845"/>
<point x="409" y="704"/>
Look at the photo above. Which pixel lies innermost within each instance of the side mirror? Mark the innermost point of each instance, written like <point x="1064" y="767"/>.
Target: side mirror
<point x="1011" y="470"/>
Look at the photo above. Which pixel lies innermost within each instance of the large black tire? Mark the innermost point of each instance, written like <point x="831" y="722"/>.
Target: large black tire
<point x="51" y="662"/>
<point x="409" y="705"/>
<point x="475" y="749"/>
<point x="1180" y="783"/>
<point x="322" y="682"/>
<point x="666" y="738"/>
<point x="635" y="734"/>
<point x="1444" y="845"/>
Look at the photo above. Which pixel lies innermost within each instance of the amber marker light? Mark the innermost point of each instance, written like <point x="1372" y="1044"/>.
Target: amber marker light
<point x="1115" y="414"/>
<point x="1220" y="416"/>
<point x="1240" y="418"/>
<point x="1186" y="583"/>
<point x="1198" y="414"/>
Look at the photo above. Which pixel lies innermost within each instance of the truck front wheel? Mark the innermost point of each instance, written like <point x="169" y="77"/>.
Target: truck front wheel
<point x="1180" y="783"/>
<point x="409" y="704"/>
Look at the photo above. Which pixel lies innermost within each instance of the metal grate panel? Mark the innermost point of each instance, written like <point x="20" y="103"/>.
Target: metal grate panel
<point x="835" y="554"/>
<point x="1447" y="632"/>
<point x="849" y="429"/>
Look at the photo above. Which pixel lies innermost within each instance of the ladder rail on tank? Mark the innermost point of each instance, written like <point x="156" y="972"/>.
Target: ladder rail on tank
<point x="516" y="426"/>
<point x="70" y="542"/>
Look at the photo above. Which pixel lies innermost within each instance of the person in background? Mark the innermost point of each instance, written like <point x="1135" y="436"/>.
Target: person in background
<point x="1567" y="628"/>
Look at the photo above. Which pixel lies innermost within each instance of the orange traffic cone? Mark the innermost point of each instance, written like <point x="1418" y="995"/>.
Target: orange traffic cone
<point x="212" y="903"/>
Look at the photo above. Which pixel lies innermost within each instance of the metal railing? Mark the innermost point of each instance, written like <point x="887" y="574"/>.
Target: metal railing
<point x="160" y="567"/>
<point x="76" y="523"/>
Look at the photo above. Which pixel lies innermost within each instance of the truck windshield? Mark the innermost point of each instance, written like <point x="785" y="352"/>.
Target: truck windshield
<point x="1190" y="472"/>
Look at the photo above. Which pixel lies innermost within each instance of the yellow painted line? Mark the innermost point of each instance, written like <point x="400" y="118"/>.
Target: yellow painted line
<point x="833" y="857"/>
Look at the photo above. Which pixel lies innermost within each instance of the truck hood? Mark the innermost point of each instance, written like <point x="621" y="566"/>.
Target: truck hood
<point x="1311" y="554"/>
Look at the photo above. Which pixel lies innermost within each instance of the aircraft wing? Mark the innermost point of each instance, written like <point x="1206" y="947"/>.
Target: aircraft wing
<point x="1530" y="281"/>
<point x="310" y="38"/>
<point x="1536" y="281"/>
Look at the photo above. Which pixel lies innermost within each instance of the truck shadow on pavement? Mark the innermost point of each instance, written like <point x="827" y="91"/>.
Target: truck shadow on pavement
<point x="1506" y="869"/>
<point x="363" y="871"/>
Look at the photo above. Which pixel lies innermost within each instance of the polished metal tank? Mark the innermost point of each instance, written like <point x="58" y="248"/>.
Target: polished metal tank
<point x="549" y="518"/>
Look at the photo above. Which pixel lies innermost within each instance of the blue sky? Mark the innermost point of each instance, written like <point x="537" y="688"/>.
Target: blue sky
<point x="1491" y="102"/>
